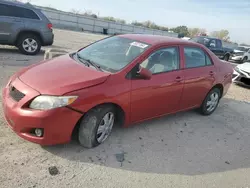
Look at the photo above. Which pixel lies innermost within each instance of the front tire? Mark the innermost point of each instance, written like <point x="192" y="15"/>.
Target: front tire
<point x="244" y="60"/>
<point x="29" y="44"/>
<point x="96" y="126"/>
<point x="211" y="102"/>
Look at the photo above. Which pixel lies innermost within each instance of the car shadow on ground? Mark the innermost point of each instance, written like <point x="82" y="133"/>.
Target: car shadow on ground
<point x="243" y="85"/>
<point x="184" y="143"/>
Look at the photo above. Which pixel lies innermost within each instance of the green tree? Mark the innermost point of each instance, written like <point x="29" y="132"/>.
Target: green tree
<point x="192" y="32"/>
<point x="109" y="18"/>
<point x="181" y="30"/>
<point x="222" y="34"/>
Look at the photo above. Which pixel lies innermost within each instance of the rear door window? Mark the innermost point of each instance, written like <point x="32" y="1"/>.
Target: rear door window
<point x="196" y="57"/>
<point x="19" y="12"/>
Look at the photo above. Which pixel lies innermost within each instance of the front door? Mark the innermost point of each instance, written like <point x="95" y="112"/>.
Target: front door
<point x="199" y="74"/>
<point x="162" y="93"/>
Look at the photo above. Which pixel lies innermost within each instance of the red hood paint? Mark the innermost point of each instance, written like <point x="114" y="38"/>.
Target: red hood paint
<point x="61" y="75"/>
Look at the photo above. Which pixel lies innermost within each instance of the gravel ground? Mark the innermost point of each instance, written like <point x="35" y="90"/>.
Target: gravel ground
<point x="181" y="150"/>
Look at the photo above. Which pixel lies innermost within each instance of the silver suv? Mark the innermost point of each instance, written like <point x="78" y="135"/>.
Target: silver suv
<point x="24" y="26"/>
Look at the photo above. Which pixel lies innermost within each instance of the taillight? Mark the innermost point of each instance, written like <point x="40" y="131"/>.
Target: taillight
<point x="50" y="25"/>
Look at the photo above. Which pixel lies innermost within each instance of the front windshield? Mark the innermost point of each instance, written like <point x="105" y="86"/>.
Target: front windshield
<point x="242" y="49"/>
<point x="114" y="53"/>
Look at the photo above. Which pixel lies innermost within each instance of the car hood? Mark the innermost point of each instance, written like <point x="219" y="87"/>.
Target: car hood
<point x="61" y="75"/>
<point x="245" y="67"/>
<point x="237" y="51"/>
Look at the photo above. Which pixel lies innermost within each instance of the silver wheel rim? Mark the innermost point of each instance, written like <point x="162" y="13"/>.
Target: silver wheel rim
<point x="30" y="45"/>
<point x="105" y="127"/>
<point x="212" y="101"/>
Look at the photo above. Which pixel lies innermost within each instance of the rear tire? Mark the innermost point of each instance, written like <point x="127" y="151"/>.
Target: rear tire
<point x="226" y="57"/>
<point x="211" y="102"/>
<point x="29" y="44"/>
<point x="92" y="123"/>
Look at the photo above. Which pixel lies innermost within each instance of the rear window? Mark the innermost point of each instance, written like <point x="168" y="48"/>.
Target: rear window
<point x="14" y="11"/>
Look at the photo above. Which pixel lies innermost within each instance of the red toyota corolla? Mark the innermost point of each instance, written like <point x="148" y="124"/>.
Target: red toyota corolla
<point x="119" y="80"/>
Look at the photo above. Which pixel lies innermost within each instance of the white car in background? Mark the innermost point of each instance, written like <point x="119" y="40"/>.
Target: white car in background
<point x="241" y="74"/>
<point x="242" y="54"/>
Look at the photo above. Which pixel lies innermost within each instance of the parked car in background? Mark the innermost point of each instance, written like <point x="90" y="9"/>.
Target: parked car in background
<point x="241" y="74"/>
<point x="241" y="54"/>
<point x="215" y="45"/>
<point x="119" y="80"/>
<point x="24" y="26"/>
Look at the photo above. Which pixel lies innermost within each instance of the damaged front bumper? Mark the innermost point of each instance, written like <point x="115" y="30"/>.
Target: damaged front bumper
<point x="241" y="77"/>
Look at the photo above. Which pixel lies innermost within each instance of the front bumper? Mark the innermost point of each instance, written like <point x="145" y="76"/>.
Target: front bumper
<point x="241" y="77"/>
<point x="237" y="58"/>
<point x="58" y="124"/>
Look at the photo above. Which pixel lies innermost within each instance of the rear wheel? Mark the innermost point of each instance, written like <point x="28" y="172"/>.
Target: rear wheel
<point x="29" y="44"/>
<point x="226" y="57"/>
<point x="211" y="102"/>
<point x="96" y="126"/>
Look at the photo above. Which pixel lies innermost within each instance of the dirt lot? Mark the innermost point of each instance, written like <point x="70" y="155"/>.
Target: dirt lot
<point x="181" y="150"/>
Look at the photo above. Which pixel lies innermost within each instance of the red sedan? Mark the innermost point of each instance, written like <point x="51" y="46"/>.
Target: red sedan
<point x="119" y="80"/>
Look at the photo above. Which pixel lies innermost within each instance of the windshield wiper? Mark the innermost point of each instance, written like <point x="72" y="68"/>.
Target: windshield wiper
<point x="89" y="62"/>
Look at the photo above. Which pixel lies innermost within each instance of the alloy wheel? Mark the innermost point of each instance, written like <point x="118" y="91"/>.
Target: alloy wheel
<point x="105" y="127"/>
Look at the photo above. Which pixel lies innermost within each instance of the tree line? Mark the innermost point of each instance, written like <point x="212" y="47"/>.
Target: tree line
<point x="182" y="30"/>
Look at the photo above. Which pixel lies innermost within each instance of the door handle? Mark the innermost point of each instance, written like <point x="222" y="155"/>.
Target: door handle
<point x="178" y="79"/>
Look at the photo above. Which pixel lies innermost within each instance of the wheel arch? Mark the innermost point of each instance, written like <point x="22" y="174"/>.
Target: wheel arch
<point x="120" y="116"/>
<point x="23" y="32"/>
<point x="220" y="87"/>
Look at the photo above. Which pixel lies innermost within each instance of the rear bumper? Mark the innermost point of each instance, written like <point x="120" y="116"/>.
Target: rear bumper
<point x="48" y="38"/>
<point x="57" y="124"/>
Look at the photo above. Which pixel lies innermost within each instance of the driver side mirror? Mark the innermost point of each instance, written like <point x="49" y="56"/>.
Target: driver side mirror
<point x="144" y="73"/>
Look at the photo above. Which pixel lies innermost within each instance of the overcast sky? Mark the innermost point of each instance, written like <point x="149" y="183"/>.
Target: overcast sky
<point x="209" y="14"/>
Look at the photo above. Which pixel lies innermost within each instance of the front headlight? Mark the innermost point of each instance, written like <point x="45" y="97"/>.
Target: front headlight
<point x="50" y="102"/>
<point x="237" y="69"/>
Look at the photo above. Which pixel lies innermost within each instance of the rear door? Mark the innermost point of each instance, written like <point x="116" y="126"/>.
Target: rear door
<point x="199" y="74"/>
<point x="10" y="23"/>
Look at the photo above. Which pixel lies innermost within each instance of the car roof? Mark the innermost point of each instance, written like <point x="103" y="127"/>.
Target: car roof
<point x="18" y="3"/>
<point x="157" y="39"/>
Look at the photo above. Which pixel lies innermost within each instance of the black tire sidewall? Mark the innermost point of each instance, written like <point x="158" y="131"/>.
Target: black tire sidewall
<point x="204" y="104"/>
<point x="87" y="134"/>
<point x="226" y="58"/>
<point x="244" y="59"/>
<point x="24" y="37"/>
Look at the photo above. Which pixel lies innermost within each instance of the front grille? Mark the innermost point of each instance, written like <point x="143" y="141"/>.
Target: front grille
<point x="16" y="94"/>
